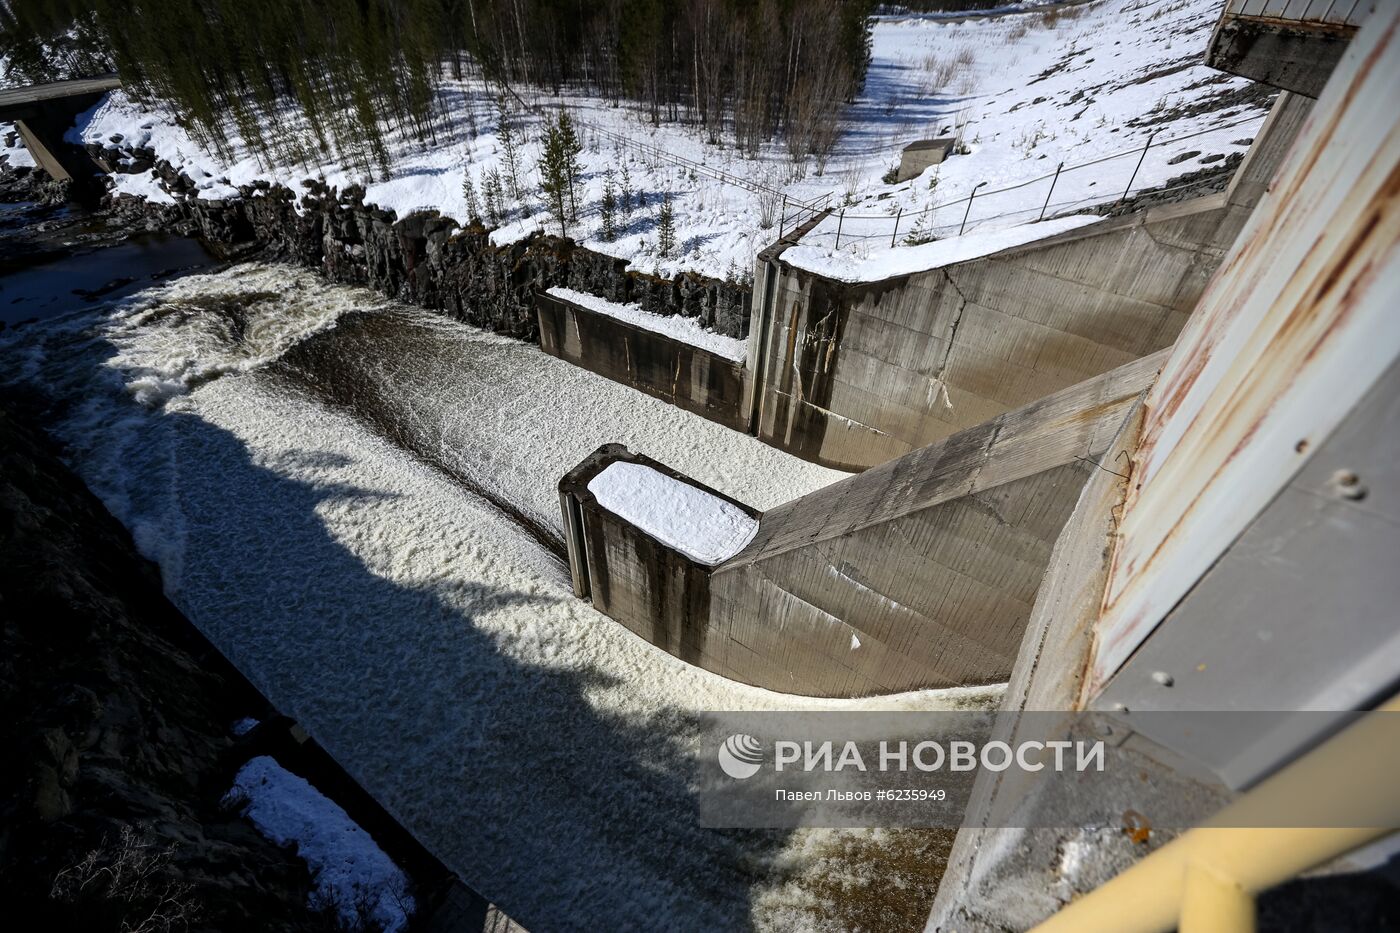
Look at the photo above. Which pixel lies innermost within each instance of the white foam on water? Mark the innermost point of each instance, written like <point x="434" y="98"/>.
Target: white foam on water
<point x="416" y="630"/>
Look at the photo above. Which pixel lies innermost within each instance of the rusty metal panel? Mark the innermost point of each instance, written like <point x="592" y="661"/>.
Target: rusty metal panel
<point x="1300" y="611"/>
<point x="1295" y="327"/>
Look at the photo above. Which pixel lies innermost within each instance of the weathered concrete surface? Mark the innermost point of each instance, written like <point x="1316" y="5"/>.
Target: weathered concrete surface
<point x="1001" y="879"/>
<point x="917" y="156"/>
<point x="688" y="377"/>
<point x="651" y="588"/>
<point x="919" y="573"/>
<point x="852" y="375"/>
<point x="1294" y="55"/>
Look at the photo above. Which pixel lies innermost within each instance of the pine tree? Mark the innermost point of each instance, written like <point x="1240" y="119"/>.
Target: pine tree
<point x="666" y="227"/>
<point x="469" y="195"/>
<point x="570" y="148"/>
<point x="554" y="171"/>
<point x="493" y="195"/>
<point x="920" y="233"/>
<point x="510" y="146"/>
<point x="608" y="208"/>
<point x="625" y="194"/>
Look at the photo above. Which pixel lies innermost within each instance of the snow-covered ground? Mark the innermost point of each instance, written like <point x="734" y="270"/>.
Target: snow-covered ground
<point x="12" y="151"/>
<point x="349" y="869"/>
<point x="343" y="493"/>
<point x="1022" y="91"/>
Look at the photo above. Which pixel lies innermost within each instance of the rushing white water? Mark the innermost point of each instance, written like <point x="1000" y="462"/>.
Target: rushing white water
<point x="356" y="501"/>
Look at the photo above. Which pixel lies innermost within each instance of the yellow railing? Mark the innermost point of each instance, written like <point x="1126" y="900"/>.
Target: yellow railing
<point x="1206" y="880"/>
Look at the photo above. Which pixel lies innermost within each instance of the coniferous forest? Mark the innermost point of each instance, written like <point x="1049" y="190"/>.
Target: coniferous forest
<point x="354" y="71"/>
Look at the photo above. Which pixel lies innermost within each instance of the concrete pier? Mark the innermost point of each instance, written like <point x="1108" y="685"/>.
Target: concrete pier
<point x="919" y="573"/>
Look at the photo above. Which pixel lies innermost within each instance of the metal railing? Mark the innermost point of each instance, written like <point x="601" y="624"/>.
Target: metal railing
<point x="1068" y="189"/>
<point x="955" y="217"/>
<point x="1205" y="881"/>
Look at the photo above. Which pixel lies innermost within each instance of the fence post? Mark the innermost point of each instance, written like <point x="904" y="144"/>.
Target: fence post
<point x="839" y="222"/>
<point x="969" y="206"/>
<point x="1046" y="206"/>
<point x="1141" y="158"/>
<point x="895" y="235"/>
<point x="782" y="217"/>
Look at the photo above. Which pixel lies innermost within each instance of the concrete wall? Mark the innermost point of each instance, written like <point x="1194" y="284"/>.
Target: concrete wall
<point x="1294" y="54"/>
<point x="919" y="573"/>
<point x="852" y="375"/>
<point x="686" y="376"/>
<point x="921" y="155"/>
<point x="651" y="588"/>
<point x="1260" y="520"/>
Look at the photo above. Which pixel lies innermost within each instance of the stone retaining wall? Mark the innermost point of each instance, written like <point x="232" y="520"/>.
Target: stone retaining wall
<point x="424" y="258"/>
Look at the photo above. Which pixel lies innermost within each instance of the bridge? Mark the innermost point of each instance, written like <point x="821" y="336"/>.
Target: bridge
<point x="42" y="113"/>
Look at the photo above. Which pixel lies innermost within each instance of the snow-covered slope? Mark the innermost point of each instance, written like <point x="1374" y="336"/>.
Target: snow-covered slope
<point x="1023" y="91"/>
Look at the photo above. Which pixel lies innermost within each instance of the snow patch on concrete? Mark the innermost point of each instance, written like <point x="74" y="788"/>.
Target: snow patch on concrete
<point x="697" y="523"/>
<point x="874" y="266"/>
<point x="675" y="326"/>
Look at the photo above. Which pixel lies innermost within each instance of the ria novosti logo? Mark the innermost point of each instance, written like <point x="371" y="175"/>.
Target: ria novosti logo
<point x="740" y="756"/>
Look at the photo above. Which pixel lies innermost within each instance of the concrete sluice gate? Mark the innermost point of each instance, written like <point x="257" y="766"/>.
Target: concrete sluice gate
<point x="978" y="398"/>
<point x="919" y="573"/>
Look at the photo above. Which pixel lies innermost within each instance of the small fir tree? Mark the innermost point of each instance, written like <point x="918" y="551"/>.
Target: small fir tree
<point x="609" y="208"/>
<point x="666" y="227"/>
<point x="570" y="148"/>
<point x="510" y="146"/>
<point x="493" y="194"/>
<point x="469" y="195"/>
<point x="554" y="172"/>
<point x="624" y="195"/>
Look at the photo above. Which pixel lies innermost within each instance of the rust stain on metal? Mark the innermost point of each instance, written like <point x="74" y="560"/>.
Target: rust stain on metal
<point x="1207" y="414"/>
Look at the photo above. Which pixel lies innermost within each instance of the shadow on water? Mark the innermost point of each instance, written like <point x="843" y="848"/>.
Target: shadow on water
<point x="568" y="814"/>
<point x="502" y="767"/>
<point x="77" y="279"/>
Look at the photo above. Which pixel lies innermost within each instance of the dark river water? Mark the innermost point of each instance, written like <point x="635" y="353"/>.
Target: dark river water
<point x="53" y="261"/>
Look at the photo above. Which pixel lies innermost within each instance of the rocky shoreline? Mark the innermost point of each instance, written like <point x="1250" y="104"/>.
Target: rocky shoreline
<point x="117" y="726"/>
<point x="424" y="259"/>
<point x="119" y="721"/>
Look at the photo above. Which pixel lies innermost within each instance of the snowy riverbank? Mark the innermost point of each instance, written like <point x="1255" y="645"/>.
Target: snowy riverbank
<point x="1022" y="92"/>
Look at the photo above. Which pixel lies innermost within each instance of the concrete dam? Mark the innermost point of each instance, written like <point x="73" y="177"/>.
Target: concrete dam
<point x="1099" y="467"/>
<point x="976" y="398"/>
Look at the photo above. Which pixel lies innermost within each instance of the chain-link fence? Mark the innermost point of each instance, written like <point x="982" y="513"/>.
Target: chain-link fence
<point x="1068" y="189"/>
